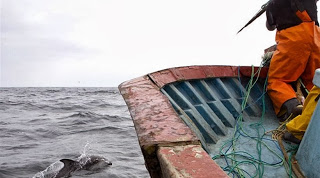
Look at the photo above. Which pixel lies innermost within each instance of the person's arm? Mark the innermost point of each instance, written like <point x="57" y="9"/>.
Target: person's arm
<point x="270" y="24"/>
<point x="270" y="27"/>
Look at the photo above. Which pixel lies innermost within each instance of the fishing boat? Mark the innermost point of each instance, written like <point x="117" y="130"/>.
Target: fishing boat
<point x="208" y="121"/>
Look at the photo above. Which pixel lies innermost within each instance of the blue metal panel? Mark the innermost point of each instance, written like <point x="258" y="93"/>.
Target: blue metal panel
<point x="190" y="111"/>
<point x="212" y="105"/>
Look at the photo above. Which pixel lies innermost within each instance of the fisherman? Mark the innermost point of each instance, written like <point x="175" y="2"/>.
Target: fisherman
<point x="298" y="51"/>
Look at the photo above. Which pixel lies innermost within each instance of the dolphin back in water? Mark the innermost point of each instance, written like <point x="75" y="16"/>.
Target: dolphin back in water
<point x="65" y="167"/>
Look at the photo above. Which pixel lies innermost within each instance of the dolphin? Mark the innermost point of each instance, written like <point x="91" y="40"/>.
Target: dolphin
<point x="65" y="167"/>
<point x="93" y="162"/>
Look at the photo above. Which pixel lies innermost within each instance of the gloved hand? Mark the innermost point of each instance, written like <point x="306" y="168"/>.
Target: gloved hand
<point x="289" y="107"/>
<point x="289" y="137"/>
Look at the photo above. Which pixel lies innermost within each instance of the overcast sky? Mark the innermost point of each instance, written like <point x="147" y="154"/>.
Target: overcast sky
<point x="102" y="43"/>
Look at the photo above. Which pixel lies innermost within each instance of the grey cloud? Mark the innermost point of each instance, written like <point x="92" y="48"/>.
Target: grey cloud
<point x="28" y="45"/>
<point x="45" y="40"/>
<point x="30" y="48"/>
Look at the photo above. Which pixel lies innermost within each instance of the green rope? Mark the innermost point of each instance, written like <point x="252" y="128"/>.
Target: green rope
<point x="249" y="159"/>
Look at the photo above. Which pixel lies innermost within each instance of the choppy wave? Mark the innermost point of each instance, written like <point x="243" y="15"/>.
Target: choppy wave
<point x="42" y="125"/>
<point x="86" y="115"/>
<point x="103" y="91"/>
<point x="95" y="116"/>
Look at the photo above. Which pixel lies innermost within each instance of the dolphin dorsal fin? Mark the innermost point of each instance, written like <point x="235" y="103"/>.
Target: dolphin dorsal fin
<point x="68" y="162"/>
<point x="69" y="167"/>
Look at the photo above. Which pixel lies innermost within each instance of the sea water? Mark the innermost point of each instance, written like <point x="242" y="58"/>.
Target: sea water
<point x="39" y="126"/>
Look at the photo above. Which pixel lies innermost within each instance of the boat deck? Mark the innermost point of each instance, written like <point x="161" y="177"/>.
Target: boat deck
<point x="205" y="115"/>
<point x="229" y="123"/>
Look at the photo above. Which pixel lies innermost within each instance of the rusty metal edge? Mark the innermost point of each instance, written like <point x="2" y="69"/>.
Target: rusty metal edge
<point x="189" y="161"/>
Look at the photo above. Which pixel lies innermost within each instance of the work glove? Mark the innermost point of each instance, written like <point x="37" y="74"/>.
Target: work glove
<point x="289" y="107"/>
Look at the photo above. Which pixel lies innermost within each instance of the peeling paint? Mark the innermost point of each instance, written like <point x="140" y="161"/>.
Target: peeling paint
<point x="179" y="161"/>
<point x="198" y="155"/>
